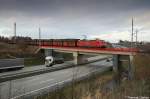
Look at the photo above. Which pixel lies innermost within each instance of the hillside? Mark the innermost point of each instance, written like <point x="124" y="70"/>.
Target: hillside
<point x="13" y="50"/>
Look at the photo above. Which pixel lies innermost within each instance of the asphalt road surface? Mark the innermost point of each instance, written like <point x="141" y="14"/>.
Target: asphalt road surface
<point x="36" y="84"/>
<point x="9" y="63"/>
<point x="38" y="67"/>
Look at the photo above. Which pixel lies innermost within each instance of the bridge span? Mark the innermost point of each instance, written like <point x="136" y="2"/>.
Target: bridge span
<point x="120" y="55"/>
<point x="110" y="51"/>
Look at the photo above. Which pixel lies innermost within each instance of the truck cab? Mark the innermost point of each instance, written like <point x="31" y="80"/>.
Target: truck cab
<point x="50" y="61"/>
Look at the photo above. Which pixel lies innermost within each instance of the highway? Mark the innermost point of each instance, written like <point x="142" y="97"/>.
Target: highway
<point x="38" y="67"/>
<point x="28" y="86"/>
<point x="35" y="70"/>
<point x="9" y="63"/>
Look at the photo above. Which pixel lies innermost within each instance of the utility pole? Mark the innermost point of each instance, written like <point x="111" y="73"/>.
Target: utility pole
<point x="15" y="30"/>
<point x="39" y="36"/>
<point x="131" y="68"/>
<point x="132" y="34"/>
<point x="39" y="33"/>
<point x="136" y="37"/>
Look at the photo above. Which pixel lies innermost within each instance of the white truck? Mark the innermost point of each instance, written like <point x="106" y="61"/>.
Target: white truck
<point x="50" y="61"/>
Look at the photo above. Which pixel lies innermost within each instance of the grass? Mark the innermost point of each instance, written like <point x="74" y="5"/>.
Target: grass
<point x="93" y="87"/>
<point x="135" y="88"/>
<point x="13" y="50"/>
<point x="140" y="86"/>
<point x="142" y="63"/>
<point x="84" y="89"/>
<point x="33" y="61"/>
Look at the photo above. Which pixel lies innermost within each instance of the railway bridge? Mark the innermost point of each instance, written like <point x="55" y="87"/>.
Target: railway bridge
<point x="120" y="55"/>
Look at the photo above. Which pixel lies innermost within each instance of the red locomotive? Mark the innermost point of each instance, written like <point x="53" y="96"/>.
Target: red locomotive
<point x="92" y="43"/>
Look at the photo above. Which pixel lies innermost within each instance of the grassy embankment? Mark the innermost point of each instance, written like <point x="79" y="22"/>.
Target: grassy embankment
<point x="16" y="50"/>
<point x="28" y="52"/>
<point x="89" y="88"/>
<point x="140" y="86"/>
<point x="93" y="88"/>
<point x="12" y="51"/>
<point x="34" y="61"/>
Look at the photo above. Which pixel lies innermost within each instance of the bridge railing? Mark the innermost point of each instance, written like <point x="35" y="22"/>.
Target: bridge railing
<point x="98" y="49"/>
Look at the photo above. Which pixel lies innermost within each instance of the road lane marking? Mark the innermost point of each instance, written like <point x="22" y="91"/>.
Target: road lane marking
<point x="40" y="89"/>
<point x="45" y="81"/>
<point x="48" y="86"/>
<point x="83" y="75"/>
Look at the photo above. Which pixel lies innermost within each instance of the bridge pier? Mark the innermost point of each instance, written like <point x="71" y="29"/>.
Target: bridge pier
<point x="123" y="64"/>
<point x="116" y="63"/>
<point x="79" y="58"/>
<point x="48" y="52"/>
<point x="131" y="67"/>
<point x="122" y="61"/>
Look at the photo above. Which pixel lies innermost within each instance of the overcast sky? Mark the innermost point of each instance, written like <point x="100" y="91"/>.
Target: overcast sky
<point x="105" y="19"/>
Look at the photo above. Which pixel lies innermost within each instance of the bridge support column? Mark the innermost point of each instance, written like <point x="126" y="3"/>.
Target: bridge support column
<point x="123" y="65"/>
<point x="48" y="52"/>
<point x="79" y="58"/>
<point x="131" y="67"/>
<point x="116" y="63"/>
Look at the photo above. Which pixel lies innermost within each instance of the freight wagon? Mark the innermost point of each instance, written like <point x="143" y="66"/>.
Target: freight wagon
<point x="65" y="43"/>
<point x="74" y="43"/>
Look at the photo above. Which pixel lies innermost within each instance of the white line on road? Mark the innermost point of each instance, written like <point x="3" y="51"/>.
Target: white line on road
<point x="16" y="97"/>
<point x="39" y="89"/>
<point x="45" y="81"/>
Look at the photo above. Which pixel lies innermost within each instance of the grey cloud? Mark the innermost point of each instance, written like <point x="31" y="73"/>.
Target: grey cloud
<point x="64" y="17"/>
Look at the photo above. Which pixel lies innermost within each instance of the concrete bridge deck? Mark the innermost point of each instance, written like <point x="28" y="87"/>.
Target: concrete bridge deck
<point x="112" y="51"/>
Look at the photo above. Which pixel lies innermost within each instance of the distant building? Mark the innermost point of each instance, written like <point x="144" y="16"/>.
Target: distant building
<point x="128" y="43"/>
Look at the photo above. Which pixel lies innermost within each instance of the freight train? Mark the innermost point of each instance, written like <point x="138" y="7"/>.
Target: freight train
<point x="50" y="60"/>
<point x="70" y="43"/>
